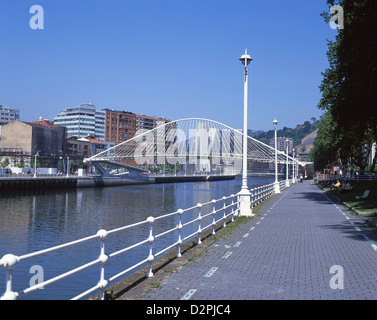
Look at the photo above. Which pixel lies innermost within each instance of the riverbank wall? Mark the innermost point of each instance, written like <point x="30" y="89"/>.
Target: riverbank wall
<point x="16" y="183"/>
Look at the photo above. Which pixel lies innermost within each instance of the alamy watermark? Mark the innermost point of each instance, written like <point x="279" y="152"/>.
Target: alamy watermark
<point x="38" y="276"/>
<point x="337" y="20"/>
<point x="37" y="20"/>
<point x="337" y="280"/>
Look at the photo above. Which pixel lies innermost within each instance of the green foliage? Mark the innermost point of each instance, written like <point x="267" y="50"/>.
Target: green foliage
<point x="60" y="166"/>
<point x="32" y="163"/>
<point x="5" y="163"/>
<point x="325" y="144"/>
<point x="349" y="85"/>
<point x="21" y="164"/>
<point x="109" y="295"/>
<point x="297" y="134"/>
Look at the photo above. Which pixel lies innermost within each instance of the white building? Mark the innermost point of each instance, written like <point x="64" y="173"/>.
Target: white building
<point x="82" y="120"/>
<point x="282" y="144"/>
<point x="372" y="153"/>
<point x="8" y="114"/>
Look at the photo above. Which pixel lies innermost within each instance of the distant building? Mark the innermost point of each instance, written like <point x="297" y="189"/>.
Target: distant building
<point x="77" y="148"/>
<point x="372" y="153"/>
<point x="96" y="146"/>
<point x="44" y="122"/>
<point x="144" y="122"/>
<point x="29" y="139"/>
<point x="119" y="125"/>
<point x="282" y="144"/>
<point x="369" y="152"/>
<point x="8" y="114"/>
<point x="123" y="125"/>
<point x="82" y="120"/>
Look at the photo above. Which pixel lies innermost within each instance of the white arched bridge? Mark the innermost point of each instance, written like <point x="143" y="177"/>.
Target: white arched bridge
<point x="189" y="146"/>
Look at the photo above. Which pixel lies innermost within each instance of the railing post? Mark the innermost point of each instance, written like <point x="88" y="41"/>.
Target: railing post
<point x="238" y="205"/>
<point x="255" y="196"/>
<point x="213" y="216"/>
<point x="199" y="205"/>
<point x="103" y="259"/>
<point x="8" y="262"/>
<point x="180" y="226"/>
<point x="150" y="240"/>
<point x="232" y="206"/>
<point x="224" y="215"/>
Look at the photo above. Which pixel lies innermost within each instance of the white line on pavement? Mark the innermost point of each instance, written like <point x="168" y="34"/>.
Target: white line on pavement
<point x="211" y="272"/>
<point x="227" y="255"/>
<point x="189" y="294"/>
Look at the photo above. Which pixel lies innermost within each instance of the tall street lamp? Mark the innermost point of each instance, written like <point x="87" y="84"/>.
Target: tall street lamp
<point x="244" y="194"/>
<point x="276" y="185"/>
<point x="68" y="166"/>
<point x="287" y="172"/>
<point x="293" y="167"/>
<point x="35" y="163"/>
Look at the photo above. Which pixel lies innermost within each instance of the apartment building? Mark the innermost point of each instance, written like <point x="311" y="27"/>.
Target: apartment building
<point x="282" y="144"/>
<point x="123" y="125"/>
<point x="148" y="122"/>
<point x="8" y="114"/>
<point x="82" y="120"/>
<point x="119" y="125"/>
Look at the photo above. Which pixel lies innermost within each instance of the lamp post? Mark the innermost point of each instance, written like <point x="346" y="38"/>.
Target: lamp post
<point x="244" y="194"/>
<point x="277" y="187"/>
<point x="35" y="163"/>
<point x="287" y="172"/>
<point x="293" y="167"/>
<point x="67" y="166"/>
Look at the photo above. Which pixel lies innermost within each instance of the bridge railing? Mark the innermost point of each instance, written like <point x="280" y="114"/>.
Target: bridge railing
<point x="189" y="224"/>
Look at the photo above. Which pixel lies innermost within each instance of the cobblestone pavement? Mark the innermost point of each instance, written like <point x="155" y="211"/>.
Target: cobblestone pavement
<point x="300" y="246"/>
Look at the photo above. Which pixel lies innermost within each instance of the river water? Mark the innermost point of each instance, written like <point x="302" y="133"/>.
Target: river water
<point x="34" y="221"/>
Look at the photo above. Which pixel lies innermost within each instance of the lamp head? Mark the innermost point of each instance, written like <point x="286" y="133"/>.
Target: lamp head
<point x="275" y="122"/>
<point x="245" y="59"/>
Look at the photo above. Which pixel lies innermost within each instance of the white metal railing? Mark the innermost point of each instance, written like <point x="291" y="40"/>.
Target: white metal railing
<point x="282" y="184"/>
<point x="207" y="216"/>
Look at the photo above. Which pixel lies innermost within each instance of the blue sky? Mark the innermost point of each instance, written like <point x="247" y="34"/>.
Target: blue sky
<point x="176" y="59"/>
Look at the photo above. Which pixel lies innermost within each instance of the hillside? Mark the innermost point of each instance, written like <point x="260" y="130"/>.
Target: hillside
<point x="306" y="145"/>
<point x="303" y="135"/>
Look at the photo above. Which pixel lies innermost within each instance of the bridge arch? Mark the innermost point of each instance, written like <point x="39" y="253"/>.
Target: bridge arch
<point x="192" y="144"/>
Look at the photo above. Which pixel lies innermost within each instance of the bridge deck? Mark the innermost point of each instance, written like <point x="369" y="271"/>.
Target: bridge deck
<point x="284" y="253"/>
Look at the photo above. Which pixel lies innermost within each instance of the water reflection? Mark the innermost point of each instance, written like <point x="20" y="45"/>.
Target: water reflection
<point x="35" y="221"/>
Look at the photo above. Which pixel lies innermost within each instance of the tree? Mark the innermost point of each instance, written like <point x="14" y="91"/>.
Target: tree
<point x="21" y="163"/>
<point x="38" y="164"/>
<point x="296" y="134"/>
<point x="325" y="144"/>
<point x="5" y="163"/>
<point x="349" y="85"/>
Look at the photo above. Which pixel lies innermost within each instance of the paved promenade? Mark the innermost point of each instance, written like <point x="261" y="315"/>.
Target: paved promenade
<point x="300" y="246"/>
